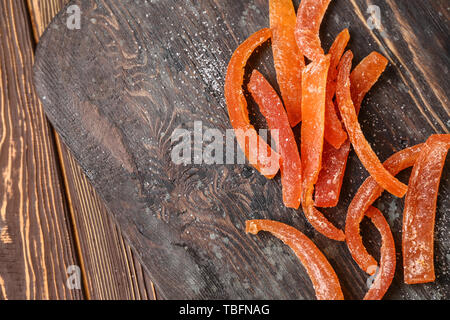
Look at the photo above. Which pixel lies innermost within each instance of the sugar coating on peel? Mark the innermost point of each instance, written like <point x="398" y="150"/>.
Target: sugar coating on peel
<point x="309" y="18"/>
<point x="420" y="211"/>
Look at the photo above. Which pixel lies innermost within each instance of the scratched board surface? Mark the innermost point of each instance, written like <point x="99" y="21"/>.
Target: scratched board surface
<point x="135" y="71"/>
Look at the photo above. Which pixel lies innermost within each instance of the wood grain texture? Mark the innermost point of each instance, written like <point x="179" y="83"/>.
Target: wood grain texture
<point x="110" y="268"/>
<point x="36" y="242"/>
<point x="137" y="70"/>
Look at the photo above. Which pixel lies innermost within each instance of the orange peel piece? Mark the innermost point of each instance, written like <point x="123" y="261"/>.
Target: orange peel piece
<point x="364" y="198"/>
<point x="257" y="151"/>
<point x="288" y="60"/>
<point x="324" y="279"/>
<point x="328" y="186"/>
<point x="334" y="132"/>
<point x="314" y="82"/>
<point x="362" y="147"/>
<point x="386" y="272"/>
<point x="420" y="211"/>
<point x="365" y="75"/>
<point x="309" y="18"/>
<point x="277" y="120"/>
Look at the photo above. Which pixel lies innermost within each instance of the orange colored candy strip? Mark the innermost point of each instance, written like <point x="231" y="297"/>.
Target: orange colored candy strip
<point x="277" y="120"/>
<point x="309" y="17"/>
<point x="420" y="210"/>
<point x="364" y="198"/>
<point x="336" y="51"/>
<point x="314" y="81"/>
<point x="288" y="60"/>
<point x="328" y="186"/>
<point x="365" y="153"/>
<point x="259" y="154"/>
<point x="334" y="132"/>
<point x="324" y="279"/>
<point x="386" y="272"/>
<point x="365" y="75"/>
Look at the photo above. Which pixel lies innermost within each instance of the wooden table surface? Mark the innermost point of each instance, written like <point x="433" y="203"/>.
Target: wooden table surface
<point x="50" y="216"/>
<point x="117" y="90"/>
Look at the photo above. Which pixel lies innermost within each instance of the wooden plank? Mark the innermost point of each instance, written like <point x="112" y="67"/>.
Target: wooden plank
<point x="36" y="242"/>
<point x="141" y="69"/>
<point x="110" y="268"/>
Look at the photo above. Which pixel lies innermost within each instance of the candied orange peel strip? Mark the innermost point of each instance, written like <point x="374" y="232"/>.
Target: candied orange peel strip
<point x="314" y="82"/>
<point x="365" y="75"/>
<point x="288" y="60"/>
<point x="386" y="271"/>
<point x="329" y="184"/>
<point x="334" y="161"/>
<point x="334" y="132"/>
<point x="324" y="279"/>
<point x="420" y="211"/>
<point x="309" y="17"/>
<point x="277" y="120"/>
<point x="257" y="151"/>
<point x="335" y="135"/>
<point x="362" y="148"/>
<point x="364" y="198"/>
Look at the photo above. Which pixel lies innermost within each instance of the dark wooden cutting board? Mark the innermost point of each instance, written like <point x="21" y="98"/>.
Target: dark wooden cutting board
<point x="117" y="88"/>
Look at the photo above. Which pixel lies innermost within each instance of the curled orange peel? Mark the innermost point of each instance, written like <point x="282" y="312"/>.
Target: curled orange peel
<point x="324" y="279"/>
<point x="257" y="151"/>
<point x="362" y="147"/>
<point x="272" y="109"/>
